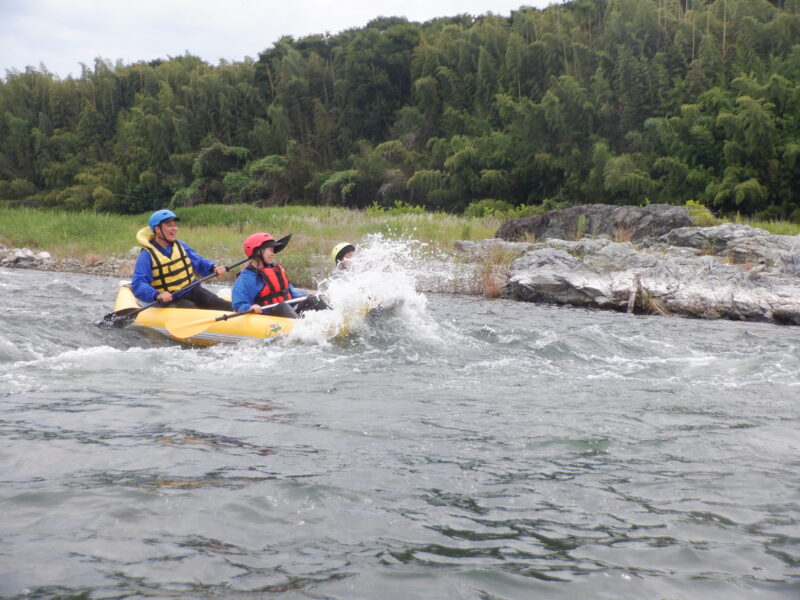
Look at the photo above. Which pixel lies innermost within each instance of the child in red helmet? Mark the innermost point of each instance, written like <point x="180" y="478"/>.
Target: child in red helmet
<point x="263" y="282"/>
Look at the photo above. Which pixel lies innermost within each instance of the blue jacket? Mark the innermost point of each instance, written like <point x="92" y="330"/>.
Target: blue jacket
<point x="245" y="290"/>
<point x="143" y="271"/>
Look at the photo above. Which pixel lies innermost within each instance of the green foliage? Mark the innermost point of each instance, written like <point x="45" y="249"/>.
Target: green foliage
<point x="426" y="181"/>
<point x="218" y="159"/>
<point x="18" y="189"/>
<point x="502" y="210"/>
<point x="528" y="211"/>
<point x="700" y="215"/>
<point x="622" y="177"/>
<point x="340" y="187"/>
<point x="218" y="214"/>
<point x="238" y="183"/>
<point x="398" y="208"/>
<point x="488" y="207"/>
<point x="589" y="101"/>
<point x="190" y="195"/>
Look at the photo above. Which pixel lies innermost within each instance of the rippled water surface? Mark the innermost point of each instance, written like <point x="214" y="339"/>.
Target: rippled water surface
<point x="450" y="447"/>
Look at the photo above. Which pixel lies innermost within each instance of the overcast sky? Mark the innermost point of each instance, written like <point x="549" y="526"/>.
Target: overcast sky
<point x="61" y="34"/>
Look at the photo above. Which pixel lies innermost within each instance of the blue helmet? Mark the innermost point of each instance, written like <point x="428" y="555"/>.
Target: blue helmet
<point x="158" y="217"/>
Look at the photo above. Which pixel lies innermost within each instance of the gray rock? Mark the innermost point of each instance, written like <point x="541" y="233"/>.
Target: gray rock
<point x="740" y="244"/>
<point x="622" y="222"/>
<point x="23" y="255"/>
<point x="22" y="258"/>
<point x="699" y="276"/>
<point x="484" y="247"/>
<point x="25" y="258"/>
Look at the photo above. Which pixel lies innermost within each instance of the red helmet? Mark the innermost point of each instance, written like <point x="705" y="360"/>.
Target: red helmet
<point x="255" y="241"/>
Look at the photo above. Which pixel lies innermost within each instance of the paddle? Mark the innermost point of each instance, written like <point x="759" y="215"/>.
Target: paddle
<point x="186" y="329"/>
<point x="122" y="317"/>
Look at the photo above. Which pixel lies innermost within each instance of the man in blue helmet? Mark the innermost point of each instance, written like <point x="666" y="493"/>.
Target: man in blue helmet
<point x="167" y="265"/>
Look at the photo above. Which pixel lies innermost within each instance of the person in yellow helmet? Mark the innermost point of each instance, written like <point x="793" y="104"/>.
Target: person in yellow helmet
<point x="342" y="254"/>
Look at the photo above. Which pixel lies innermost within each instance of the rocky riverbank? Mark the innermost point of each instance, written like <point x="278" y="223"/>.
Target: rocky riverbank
<point x="723" y="271"/>
<point x="640" y="260"/>
<point x="25" y="258"/>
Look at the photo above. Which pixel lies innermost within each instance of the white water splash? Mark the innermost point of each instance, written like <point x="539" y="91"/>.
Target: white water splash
<point x="381" y="278"/>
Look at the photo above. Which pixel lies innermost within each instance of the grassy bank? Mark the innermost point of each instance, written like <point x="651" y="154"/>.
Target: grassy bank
<point x="217" y="231"/>
<point x="776" y="227"/>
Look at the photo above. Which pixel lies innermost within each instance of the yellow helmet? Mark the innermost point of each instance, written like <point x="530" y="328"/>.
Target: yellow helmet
<point x="339" y="250"/>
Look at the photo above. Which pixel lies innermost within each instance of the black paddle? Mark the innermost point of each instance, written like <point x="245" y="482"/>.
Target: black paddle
<point x="123" y="317"/>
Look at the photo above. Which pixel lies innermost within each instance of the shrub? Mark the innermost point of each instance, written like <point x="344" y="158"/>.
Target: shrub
<point x="340" y="187"/>
<point x="493" y="271"/>
<point x="20" y="188"/>
<point x="773" y="213"/>
<point x="237" y="183"/>
<point x="488" y="207"/>
<point x="76" y="197"/>
<point x="527" y="210"/>
<point x="399" y="208"/>
<point x="217" y="159"/>
<point x="700" y="215"/>
<point x="105" y="200"/>
<point x="501" y="209"/>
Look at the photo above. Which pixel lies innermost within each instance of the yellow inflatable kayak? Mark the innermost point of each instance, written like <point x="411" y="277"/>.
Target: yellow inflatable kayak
<point x="201" y="323"/>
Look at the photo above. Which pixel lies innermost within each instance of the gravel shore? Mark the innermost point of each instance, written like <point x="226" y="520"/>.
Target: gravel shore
<point x="25" y="258"/>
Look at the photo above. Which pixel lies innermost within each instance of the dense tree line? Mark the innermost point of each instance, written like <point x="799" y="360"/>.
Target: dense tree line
<point x="614" y="101"/>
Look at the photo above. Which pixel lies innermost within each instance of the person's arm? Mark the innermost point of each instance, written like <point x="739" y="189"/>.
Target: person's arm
<point x="245" y="291"/>
<point x="300" y="293"/>
<point x="142" y="280"/>
<point x="202" y="266"/>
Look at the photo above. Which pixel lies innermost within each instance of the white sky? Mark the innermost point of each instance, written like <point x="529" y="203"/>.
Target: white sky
<point x="61" y="34"/>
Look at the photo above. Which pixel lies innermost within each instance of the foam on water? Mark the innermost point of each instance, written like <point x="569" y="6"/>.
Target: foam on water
<point x="11" y="351"/>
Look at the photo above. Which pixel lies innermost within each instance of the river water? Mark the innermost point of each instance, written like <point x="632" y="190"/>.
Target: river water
<point x="450" y="447"/>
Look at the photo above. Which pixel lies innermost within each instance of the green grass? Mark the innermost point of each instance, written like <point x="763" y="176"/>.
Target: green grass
<point x="217" y="231"/>
<point x="775" y="227"/>
<point x="67" y="234"/>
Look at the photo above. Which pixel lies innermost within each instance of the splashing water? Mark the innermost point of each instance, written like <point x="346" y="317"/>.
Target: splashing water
<point x="381" y="280"/>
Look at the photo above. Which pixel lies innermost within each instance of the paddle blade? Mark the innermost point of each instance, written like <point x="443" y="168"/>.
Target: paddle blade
<point x="182" y="329"/>
<point x="123" y="320"/>
<point x="117" y="315"/>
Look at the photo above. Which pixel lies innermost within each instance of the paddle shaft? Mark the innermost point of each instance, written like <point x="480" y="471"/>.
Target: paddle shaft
<point x="130" y="315"/>
<point x="264" y="309"/>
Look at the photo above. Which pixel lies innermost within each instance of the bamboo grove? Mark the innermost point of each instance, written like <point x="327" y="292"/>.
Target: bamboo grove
<point x="591" y="101"/>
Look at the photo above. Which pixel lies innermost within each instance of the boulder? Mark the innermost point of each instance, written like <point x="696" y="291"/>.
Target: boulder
<point x="482" y="248"/>
<point x="703" y="275"/>
<point x="624" y="223"/>
<point x="740" y="244"/>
